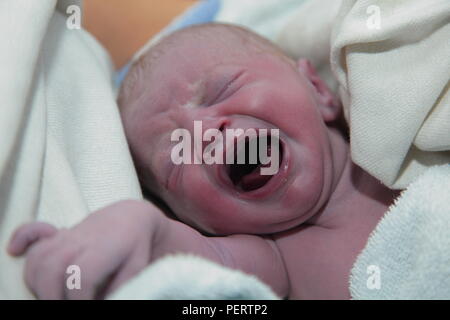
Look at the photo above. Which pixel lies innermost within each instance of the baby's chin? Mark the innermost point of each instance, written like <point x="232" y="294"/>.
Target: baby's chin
<point x="288" y="208"/>
<point x="241" y="218"/>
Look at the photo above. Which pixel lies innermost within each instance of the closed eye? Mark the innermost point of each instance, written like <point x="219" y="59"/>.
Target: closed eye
<point x="221" y="89"/>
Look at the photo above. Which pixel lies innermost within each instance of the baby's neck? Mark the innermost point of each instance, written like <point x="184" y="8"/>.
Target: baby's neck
<point x="357" y="196"/>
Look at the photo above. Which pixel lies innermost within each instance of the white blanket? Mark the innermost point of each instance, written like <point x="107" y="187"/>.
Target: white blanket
<point x="188" y="277"/>
<point x="391" y="60"/>
<point x="63" y="153"/>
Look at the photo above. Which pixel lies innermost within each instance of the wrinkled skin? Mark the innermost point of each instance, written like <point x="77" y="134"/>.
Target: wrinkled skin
<point x="301" y="235"/>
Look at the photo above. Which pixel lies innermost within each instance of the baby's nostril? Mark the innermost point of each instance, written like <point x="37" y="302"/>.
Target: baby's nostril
<point x="223" y="126"/>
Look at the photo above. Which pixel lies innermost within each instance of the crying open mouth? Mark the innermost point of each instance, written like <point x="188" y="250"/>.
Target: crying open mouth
<point x="247" y="176"/>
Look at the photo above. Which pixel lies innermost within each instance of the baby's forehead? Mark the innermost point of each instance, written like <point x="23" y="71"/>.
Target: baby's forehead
<point x="201" y="47"/>
<point x="184" y="72"/>
<point x="193" y="61"/>
<point x="187" y="54"/>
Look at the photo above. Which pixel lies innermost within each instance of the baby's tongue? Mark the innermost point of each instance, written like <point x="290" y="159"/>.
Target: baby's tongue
<point x="254" y="180"/>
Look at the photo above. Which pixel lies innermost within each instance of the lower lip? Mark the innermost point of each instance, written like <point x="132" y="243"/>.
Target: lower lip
<point x="269" y="188"/>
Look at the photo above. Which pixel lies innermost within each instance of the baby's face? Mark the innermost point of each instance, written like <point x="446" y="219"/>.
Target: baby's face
<point x="228" y="90"/>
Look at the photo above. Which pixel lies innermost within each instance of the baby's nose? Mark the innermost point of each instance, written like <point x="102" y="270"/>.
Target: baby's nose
<point x="207" y="133"/>
<point x="199" y="121"/>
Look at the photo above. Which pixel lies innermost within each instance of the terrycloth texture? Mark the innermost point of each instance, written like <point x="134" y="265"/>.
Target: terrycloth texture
<point x="62" y="152"/>
<point x="395" y="84"/>
<point x="394" y="81"/>
<point x="411" y="245"/>
<point x="190" y="277"/>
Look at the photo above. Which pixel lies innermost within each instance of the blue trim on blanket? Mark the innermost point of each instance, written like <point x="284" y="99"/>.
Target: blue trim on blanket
<point x="203" y="12"/>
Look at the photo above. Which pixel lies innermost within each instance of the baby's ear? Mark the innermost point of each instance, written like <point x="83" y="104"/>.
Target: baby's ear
<point x="329" y="104"/>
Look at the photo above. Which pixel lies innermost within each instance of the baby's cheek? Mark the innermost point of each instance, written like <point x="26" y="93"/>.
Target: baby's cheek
<point x="206" y="205"/>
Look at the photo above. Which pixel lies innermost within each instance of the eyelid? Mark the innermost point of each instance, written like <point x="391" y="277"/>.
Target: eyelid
<point x="224" y="90"/>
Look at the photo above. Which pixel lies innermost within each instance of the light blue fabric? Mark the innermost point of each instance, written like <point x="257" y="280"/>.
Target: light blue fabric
<point x="121" y="74"/>
<point x="203" y="12"/>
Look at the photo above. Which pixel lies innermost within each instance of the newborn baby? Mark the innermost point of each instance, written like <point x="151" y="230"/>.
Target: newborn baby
<point x="298" y="230"/>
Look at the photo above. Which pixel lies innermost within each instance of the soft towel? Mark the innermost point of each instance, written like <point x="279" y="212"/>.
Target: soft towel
<point x="188" y="277"/>
<point x="408" y="253"/>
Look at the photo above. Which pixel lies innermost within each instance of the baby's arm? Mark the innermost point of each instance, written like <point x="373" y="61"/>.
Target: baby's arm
<point x="252" y="254"/>
<point x="113" y="244"/>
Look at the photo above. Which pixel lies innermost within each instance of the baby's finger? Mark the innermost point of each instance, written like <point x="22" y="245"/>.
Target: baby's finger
<point x="28" y="234"/>
<point x="96" y="267"/>
<point x="49" y="277"/>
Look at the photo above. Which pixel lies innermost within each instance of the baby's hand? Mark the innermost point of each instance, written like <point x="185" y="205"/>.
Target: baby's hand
<point x="109" y="247"/>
